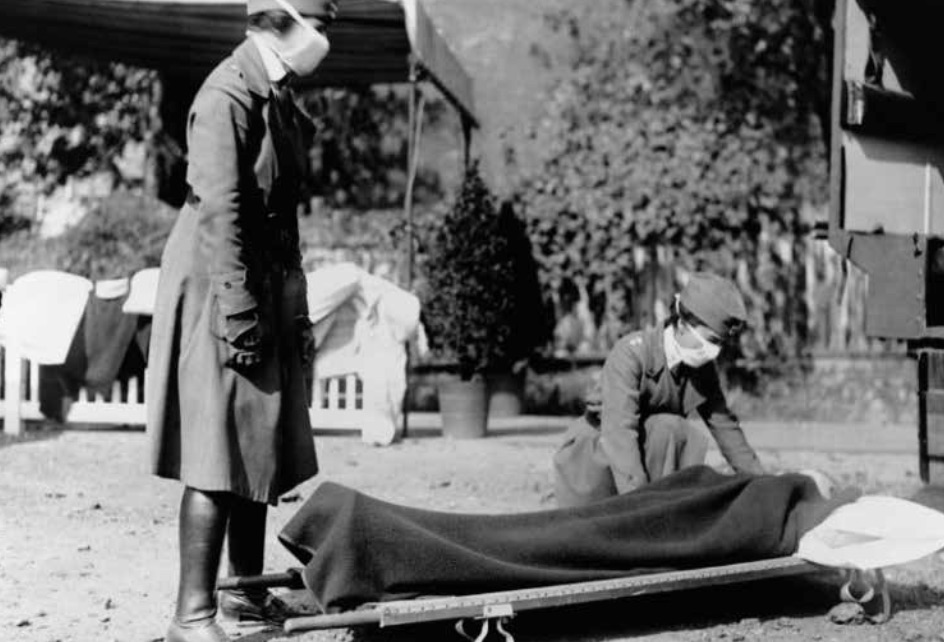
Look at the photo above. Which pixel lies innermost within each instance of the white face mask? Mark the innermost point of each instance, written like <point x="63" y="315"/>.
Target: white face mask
<point x="302" y="49"/>
<point x="697" y="357"/>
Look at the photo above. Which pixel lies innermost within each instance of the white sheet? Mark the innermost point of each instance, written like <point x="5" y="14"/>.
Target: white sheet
<point x="362" y="324"/>
<point x="142" y="294"/>
<point x="112" y="288"/>
<point x="874" y="532"/>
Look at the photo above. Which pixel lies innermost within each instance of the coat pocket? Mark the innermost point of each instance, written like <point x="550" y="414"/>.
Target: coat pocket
<point x="236" y="307"/>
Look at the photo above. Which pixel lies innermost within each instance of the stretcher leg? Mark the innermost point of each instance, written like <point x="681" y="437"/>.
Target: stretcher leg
<point x="500" y="627"/>
<point x="483" y="632"/>
<point x="864" y="588"/>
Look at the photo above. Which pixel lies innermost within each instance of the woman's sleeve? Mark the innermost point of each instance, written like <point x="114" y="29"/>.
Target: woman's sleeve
<point x="619" y="437"/>
<point x="218" y="174"/>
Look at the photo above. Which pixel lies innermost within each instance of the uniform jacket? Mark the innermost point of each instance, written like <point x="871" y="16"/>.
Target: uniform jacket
<point x="234" y="250"/>
<point x="637" y="383"/>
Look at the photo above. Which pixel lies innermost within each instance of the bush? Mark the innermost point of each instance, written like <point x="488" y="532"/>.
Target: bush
<point x="470" y="283"/>
<point x="358" y="154"/>
<point x="122" y="233"/>
<point x="10" y="223"/>
<point x="530" y="319"/>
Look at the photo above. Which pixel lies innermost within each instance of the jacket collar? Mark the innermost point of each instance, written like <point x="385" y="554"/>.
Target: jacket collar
<point x="692" y="397"/>
<point x="249" y="63"/>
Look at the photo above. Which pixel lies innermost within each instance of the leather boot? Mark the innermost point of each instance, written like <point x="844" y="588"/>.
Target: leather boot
<point x="203" y="518"/>
<point x="246" y="533"/>
<point x="208" y="631"/>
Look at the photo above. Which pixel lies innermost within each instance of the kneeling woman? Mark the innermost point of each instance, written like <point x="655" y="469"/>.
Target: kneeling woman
<point x="651" y="381"/>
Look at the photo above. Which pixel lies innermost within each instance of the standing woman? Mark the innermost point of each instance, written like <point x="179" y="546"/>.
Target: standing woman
<point x="231" y="347"/>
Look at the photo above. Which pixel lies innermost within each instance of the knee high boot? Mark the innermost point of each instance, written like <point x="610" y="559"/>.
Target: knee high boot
<point x="246" y="532"/>
<point x="246" y="546"/>
<point x="203" y="518"/>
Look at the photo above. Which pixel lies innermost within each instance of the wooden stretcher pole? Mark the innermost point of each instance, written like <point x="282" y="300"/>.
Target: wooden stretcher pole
<point x="290" y="579"/>
<point x="332" y="620"/>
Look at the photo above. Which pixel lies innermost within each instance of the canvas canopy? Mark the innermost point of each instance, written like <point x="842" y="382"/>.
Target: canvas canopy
<point x="373" y="41"/>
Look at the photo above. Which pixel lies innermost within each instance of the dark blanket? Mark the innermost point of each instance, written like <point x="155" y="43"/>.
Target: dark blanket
<point x="108" y="346"/>
<point x="359" y="549"/>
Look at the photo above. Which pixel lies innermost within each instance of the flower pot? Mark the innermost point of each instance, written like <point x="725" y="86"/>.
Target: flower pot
<point x="506" y="394"/>
<point x="464" y="408"/>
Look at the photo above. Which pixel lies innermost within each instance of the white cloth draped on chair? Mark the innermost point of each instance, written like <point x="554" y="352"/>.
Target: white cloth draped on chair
<point x="362" y="323"/>
<point x="40" y="314"/>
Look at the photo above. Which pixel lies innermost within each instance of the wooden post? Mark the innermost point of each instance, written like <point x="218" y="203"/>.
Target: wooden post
<point x="931" y="415"/>
<point x="13" y="376"/>
<point x="411" y="161"/>
<point x="416" y="127"/>
<point x="466" y="141"/>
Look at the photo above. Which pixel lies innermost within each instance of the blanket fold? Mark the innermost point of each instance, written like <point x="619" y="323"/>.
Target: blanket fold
<point x="359" y="549"/>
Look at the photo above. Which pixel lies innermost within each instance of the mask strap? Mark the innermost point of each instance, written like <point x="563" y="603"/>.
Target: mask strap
<point x="705" y="343"/>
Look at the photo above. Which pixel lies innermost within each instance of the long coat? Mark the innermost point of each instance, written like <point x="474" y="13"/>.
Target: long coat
<point x="636" y="384"/>
<point x="234" y="249"/>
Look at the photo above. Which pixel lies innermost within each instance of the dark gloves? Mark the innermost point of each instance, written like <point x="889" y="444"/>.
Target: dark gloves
<point x="245" y="338"/>
<point x="242" y="328"/>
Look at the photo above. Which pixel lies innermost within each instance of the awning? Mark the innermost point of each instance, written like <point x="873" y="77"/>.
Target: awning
<point x="371" y="42"/>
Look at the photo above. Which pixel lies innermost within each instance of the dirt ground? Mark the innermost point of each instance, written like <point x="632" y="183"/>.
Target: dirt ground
<point x="88" y="539"/>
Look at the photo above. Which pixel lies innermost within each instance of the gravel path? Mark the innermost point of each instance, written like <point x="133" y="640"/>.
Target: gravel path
<point x="88" y="540"/>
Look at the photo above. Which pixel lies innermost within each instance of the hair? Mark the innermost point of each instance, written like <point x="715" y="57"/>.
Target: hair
<point x="683" y="314"/>
<point x="274" y="20"/>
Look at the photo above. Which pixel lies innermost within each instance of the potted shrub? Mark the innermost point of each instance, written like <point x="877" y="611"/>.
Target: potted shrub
<point x="469" y="296"/>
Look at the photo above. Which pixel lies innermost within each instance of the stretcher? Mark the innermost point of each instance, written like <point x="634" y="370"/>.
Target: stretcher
<point x="497" y="608"/>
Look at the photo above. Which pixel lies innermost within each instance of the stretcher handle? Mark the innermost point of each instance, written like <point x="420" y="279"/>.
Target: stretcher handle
<point x="291" y="578"/>
<point x="331" y="620"/>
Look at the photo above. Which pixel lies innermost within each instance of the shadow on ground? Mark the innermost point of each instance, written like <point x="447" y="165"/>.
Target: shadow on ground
<point x="750" y="610"/>
<point x="758" y="606"/>
<point x="48" y="429"/>
<point x="768" y="600"/>
<point x="31" y="432"/>
<point x="427" y="432"/>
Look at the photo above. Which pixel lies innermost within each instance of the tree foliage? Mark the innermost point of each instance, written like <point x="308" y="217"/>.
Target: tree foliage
<point x="64" y="117"/>
<point x="122" y="233"/>
<point x="359" y="150"/>
<point x="689" y="124"/>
